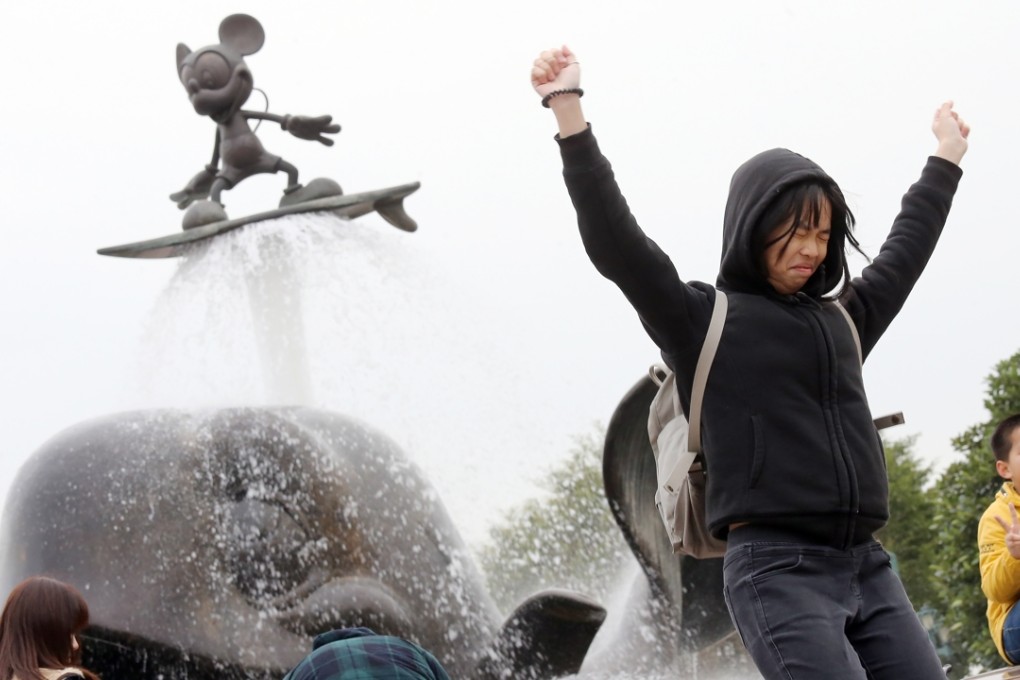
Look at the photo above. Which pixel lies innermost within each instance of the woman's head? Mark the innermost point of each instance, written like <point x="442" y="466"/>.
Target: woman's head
<point x="38" y="626"/>
<point x="803" y="232"/>
<point x="777" y="200"/>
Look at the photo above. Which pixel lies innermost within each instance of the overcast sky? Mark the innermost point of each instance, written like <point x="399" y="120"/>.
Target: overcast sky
<point x="508" y="343"/>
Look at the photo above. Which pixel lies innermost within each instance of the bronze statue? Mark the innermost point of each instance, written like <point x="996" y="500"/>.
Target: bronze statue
<point x="219" y="82"/>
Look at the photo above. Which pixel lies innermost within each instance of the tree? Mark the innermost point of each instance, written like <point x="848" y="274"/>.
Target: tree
<point x="908" y="533"/>
<point x="960" y="497"/>
<point x="568" y="539"/>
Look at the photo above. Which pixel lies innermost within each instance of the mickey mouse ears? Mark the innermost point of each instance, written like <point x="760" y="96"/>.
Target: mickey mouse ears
<point x="242" y="33"/>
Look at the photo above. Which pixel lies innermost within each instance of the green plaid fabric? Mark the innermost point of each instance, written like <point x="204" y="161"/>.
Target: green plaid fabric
<point x="360" y="654"/>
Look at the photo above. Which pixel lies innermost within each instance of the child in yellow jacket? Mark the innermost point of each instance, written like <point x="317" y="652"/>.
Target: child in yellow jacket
<point x="999" y="544"/>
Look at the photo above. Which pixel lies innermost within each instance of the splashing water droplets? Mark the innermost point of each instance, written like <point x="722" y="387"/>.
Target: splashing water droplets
<point x="356" y="318"/>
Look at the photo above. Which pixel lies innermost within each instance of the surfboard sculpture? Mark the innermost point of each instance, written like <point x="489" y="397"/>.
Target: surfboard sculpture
<point x="389" y="203"/>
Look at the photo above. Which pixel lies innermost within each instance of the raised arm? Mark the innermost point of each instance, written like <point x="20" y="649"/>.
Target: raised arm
<point x="674" y="314"/>
<point x="877" y="295"/>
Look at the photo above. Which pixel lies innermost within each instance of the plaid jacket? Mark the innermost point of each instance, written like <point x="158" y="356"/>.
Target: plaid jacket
<point x="361" y="654"/>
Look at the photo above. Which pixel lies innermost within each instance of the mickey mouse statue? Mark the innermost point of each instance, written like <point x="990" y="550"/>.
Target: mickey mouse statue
<point x="219" y="82"/>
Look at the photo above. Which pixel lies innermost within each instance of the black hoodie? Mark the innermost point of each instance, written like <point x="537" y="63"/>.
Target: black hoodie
<point x="786" y="428"/>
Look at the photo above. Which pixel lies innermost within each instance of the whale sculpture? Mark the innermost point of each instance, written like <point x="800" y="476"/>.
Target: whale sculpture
<point x="675" y="609"/>
<point x="217" y="544"/>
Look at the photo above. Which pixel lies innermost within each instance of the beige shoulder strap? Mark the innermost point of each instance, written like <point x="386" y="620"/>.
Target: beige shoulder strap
<point x="853" y="329"/>
<point x="715" y="328"/>
<point x="884" y="421"/>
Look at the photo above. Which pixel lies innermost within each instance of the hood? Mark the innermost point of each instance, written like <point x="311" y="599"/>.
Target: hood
<point x="754" y="186"/>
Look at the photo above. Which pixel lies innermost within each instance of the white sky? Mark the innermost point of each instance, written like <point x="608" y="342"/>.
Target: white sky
<point x="96" y="132"/>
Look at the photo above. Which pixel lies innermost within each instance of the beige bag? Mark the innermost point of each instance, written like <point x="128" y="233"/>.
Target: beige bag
<point x="679" y="469"/>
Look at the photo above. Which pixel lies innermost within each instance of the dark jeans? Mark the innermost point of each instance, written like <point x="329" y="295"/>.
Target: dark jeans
<point x="814" y="611"/>
<point x="1011" y="634"/>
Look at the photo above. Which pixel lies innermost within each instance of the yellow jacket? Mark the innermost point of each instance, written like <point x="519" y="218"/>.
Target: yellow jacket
<point x="1000" y="572"/>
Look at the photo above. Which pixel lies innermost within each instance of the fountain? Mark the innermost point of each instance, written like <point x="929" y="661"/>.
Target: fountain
<point x="216" y="541"/>
<point x="223" y="541"/>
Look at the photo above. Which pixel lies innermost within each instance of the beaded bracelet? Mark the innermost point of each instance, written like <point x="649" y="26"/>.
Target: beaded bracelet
<point x="570" y="90"/>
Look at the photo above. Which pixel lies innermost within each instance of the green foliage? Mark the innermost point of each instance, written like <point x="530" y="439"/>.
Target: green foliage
<point x="960" y="497"/>
<point x="567" y="539"/>
<point x="908" y="533"/>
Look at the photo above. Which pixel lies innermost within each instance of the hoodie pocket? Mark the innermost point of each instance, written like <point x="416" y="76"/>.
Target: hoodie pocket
<point x="758" y="459"/>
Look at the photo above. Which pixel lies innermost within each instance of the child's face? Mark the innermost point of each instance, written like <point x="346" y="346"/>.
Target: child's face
<point x="792" y="259"/>
<point x="1010" y="468"/>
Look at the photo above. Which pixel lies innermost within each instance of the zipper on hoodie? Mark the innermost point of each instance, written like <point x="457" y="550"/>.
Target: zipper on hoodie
<point x="830" y="406"/>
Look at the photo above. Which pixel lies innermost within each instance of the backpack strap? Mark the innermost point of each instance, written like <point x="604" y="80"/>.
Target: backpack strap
<point x="853" y="329"/>
<point x="884" y="421"/>
<point x="715" y="327"/>
<point x="707" y="356"/>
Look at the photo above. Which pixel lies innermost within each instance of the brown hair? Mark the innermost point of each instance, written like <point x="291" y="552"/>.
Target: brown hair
<point x="1000" y="441"/>
<point x="36" y="626"/>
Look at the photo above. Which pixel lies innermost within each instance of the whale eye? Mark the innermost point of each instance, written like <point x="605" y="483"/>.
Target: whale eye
<point x="267" y="552"/>
<point x="280" y="514"/>
<point x="211" y="70"/>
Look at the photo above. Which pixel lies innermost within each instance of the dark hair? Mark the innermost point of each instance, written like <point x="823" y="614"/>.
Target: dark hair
<point x="1000" y="441"/>
<point x="806" y="200"/>
<point x="36" y="626"/>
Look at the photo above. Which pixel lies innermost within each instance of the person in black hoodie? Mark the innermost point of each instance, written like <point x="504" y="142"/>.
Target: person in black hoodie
<point x="796" y="470"/>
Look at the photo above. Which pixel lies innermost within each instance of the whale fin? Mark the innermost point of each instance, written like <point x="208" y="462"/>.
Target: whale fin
<point x="547" y="636"/>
